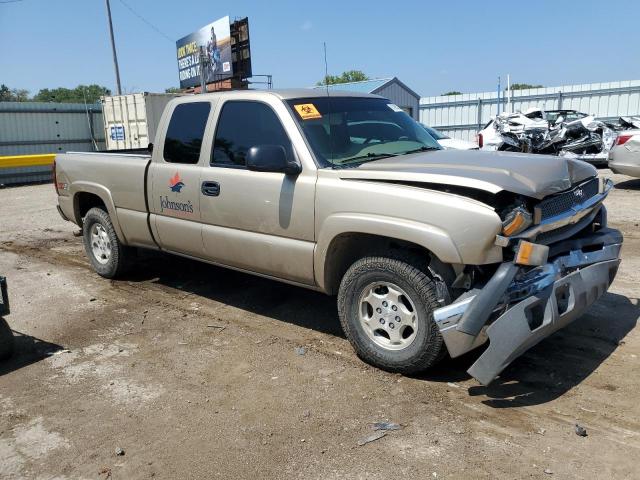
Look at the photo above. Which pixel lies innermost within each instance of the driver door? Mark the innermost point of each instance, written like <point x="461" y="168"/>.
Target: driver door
<point x="257" y="221"/>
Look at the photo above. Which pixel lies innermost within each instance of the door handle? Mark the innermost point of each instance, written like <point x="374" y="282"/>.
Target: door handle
<point x="211" y="189"/>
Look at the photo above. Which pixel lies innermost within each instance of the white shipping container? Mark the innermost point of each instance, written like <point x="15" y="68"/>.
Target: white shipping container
<point x="130" y="121"/>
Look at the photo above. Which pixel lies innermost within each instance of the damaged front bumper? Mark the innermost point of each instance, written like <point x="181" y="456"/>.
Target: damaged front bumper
<point x="532" y="304"/>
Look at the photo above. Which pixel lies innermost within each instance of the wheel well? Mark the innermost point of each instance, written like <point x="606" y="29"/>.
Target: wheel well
<point x="85" y="201"/>
<point x="346" y="248"/>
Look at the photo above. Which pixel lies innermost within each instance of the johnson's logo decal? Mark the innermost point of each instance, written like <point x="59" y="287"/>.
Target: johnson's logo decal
<point x="181" y="208"/>
<point x="176" y="183"/>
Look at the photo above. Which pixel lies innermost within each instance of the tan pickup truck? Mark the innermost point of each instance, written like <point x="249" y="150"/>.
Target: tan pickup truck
<point x="429" y="251"/>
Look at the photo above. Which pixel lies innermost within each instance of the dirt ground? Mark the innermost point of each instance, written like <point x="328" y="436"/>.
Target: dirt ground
<point x="193" y="371"/>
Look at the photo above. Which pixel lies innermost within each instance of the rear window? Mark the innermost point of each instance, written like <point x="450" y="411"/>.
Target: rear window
<point x="184" y="135"/>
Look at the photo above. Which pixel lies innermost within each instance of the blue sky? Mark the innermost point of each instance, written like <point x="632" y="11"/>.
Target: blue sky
<point x="432" y="46"/>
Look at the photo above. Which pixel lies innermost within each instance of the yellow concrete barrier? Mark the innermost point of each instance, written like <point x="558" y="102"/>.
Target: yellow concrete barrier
<point x="17" y="161"/>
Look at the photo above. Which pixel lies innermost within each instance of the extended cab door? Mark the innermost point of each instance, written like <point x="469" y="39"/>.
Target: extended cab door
<point x="257" y="221"/>
<point x="174" y="178"/>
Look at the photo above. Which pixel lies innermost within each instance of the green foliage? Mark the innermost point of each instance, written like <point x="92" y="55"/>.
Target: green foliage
<point x="452" y="92"/>
<point x="80" y="94"/>
<point x="524" y="86"/>
<point x="345" y="77"/>
<point x="172" y="90"/>
<point x="13" y="94"/>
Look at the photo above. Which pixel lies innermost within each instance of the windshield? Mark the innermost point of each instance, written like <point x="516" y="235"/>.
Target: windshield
<point x="351" y="130"/>
<point x="567" y="115"/>
<point x="435" y="133"/>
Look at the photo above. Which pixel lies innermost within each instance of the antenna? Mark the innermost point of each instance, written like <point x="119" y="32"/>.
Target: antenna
<point x="326" y="70"/>
<point x="326" y="84"/>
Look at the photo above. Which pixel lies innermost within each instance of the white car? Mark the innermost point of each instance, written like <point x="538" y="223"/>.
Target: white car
<point x="449" y="143"/>
<point x="624" y="157"/>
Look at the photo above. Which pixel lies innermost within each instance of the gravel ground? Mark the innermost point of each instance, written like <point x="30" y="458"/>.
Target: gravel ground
<point x="197" y="372"/>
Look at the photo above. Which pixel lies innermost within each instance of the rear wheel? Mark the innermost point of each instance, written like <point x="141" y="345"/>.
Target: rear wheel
<point x="105" y="251"/>
<point x="386" y="310"/>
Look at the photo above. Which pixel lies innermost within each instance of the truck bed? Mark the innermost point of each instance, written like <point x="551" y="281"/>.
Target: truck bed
<point x="121" y="176"/>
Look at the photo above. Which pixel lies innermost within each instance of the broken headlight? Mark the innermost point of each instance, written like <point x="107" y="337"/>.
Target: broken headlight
<point x="516" y="220"/>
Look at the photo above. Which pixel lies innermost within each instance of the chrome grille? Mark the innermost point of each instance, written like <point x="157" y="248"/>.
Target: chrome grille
<point x="563" y="202"/>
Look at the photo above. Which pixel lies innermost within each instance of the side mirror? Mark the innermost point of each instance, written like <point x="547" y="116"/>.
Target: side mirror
<point x="272" y="158"/>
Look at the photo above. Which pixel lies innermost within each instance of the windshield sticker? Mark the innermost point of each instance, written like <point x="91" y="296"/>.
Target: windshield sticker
<point x="394" y="107"/>
<point x="307" y="111"/>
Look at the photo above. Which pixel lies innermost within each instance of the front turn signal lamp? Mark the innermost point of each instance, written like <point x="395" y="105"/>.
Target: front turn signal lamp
<point x="532" y="254"/>
<point x="516" y="221"/>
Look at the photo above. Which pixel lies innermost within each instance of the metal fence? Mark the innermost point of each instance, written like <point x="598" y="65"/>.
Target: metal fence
<point x="462" y="116"/>
<point x="30" y="128"/>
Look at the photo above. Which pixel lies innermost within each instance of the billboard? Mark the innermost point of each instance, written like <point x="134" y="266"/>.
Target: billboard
<point x="216" y="38"/>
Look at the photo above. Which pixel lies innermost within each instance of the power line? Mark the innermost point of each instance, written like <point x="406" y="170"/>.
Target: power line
<point x="10" y="1"/>
<point x="146" y="21"/>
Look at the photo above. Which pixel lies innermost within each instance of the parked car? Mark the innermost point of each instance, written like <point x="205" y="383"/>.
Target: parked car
<point x="447" y="142"/>
<point x="624" y="157"/>
<point x="429" y="251"/>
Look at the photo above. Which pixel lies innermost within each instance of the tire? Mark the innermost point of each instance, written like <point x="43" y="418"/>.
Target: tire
<point x="410" y="347"/>
<point x="108" y="256"/>
<point x="6" y="340"/>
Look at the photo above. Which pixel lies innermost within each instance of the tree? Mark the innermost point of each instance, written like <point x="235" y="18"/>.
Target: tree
<point x="523" y="86"/>
<point x="172" y="90"/>
<point x="452" y="92"/>
<point x="80" y="94"/>
<point x="20" y="94"/>
<point x="345" y="77"/>
<point x="5" y="93"/>
<point x="13" y="94"/>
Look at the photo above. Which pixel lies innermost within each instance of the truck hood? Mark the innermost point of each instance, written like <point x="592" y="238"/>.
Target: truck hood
<point x="535" y="176"/>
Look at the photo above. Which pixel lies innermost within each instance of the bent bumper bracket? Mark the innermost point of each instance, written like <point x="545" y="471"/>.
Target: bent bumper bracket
<point x="537" y="317"/>
<point x="537" y="303"/>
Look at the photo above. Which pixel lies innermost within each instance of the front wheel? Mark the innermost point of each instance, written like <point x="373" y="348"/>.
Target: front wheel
<point x="386" y="310"/>
<point x="107" y="255"/>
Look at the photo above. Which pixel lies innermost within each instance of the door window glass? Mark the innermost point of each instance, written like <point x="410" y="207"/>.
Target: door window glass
<point x="242" y="125"/>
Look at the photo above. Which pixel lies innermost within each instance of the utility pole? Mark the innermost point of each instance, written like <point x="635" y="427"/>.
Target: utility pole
<point x="113" y="49"/>
<point x="509" y="106"/>
<point x="498" y="96"/>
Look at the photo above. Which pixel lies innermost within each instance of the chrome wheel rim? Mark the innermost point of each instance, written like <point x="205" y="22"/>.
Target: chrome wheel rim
<point x="100" y="244"/>
<point x="388" y="316"/>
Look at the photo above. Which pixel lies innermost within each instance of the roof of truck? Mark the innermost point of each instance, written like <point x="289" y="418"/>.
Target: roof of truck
<point x="287" y="94"/>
